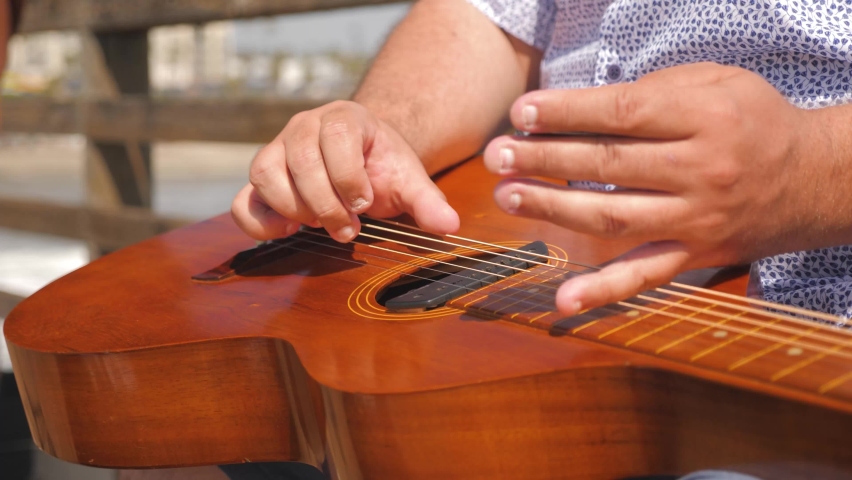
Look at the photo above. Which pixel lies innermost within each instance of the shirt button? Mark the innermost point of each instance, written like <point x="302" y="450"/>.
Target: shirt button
<point x="614" y="72"/>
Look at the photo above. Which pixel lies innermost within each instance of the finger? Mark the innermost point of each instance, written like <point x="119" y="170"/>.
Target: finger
<point x="258" y="219"/>
<point x="306" y="165"/>
<point x="691" y="74"/>
<point x="643" y="268"/>
<point x="645" y="110"/>
<point x="626" y="214"/>
<point x="627" y="162"/>
<point x="342" y="138"/>
<point x="425" y="202"/>
<point x="272" y="183"/>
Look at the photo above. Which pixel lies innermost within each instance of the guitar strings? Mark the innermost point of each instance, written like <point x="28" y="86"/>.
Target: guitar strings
<point x="793" y="331"/>
<point x="743" y="332"/>
<point x="805" y="323"/>
<point x="836" y="320"/>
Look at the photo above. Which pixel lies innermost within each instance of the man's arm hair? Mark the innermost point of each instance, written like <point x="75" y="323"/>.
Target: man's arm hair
<point x="446" y="78"/>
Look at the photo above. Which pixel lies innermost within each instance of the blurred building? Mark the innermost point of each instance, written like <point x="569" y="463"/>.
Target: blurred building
<point x="37" y="62"/>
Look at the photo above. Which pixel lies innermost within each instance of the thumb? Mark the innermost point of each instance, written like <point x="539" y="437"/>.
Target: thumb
<point x="424" y="201"/>
<point x="642" y="268"/>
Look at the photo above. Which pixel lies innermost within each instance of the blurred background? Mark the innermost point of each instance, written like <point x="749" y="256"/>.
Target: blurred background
<point x="120" y="123"/>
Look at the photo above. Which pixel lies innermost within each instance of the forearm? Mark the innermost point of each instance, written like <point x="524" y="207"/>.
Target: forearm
<point x="445" y="80"/>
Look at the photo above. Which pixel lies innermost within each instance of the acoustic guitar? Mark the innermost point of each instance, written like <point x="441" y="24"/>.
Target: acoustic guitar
<point x="407" y="356"/>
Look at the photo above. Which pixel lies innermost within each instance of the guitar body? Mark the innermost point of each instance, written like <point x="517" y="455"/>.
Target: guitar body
<point x="129" y="362"/>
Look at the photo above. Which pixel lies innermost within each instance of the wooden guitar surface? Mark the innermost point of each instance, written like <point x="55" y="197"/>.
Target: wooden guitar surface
<point x="128" y="362"/>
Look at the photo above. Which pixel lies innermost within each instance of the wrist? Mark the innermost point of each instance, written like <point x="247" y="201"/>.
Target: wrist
<point x="825" y="159"/>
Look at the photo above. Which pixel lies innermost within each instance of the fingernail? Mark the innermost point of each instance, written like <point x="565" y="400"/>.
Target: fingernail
<point x="514" y="201"/>
<point x="358" y="204"/>
<point x="507" y="159"/>
<point x="576" y="307"/>
<point x="345" y="234"/>
<point x="291" y="229"/>
<point x="529" y="114"/>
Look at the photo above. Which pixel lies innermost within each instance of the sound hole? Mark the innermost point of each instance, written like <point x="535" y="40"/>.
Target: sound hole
<point x="425" y="276"/>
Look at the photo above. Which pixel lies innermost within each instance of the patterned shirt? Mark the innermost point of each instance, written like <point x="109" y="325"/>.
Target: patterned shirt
<point x="802" y="47"/>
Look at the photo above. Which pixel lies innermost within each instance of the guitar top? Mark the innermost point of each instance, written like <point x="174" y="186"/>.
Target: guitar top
<point x="403" y="355"/>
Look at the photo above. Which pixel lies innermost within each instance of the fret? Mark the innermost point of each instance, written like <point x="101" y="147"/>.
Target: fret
<point x="822" y="368"/>
<point x="540" y="316"/>
<point x="809" y="374"/>
<point x="721" y="336"/>
<point x="739" y="337"/>
<point x="804" y="363"/>
<point x="695" y="334"/>
<point x="677" y="321"/>
<point x="767" y="350"/>
<point x="477" y="299"/>
<point x="537" y="297"/>
<point x="599" y="324"/>
<point x="834" y="383"/>
<point x="666" y="326"/>
<point x="633" y="322"/>
<point x="518" y="289"/>
<point x="513" y="298"/>
<point x="584" y="326"/>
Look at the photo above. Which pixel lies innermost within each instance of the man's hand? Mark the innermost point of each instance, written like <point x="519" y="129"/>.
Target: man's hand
<point x="434" y="94"/>
<point x="717" y="169"/>
<point x="330" y="164"/>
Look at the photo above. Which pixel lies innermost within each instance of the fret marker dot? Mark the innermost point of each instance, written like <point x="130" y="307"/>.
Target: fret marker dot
<point x="720" y="334"/>
<point x="632" y="313"/>
<point x="794" y="351"/>
<point x="532" y="290"/>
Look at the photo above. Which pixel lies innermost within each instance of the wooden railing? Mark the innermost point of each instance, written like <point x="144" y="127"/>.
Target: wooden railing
<point x="120" y="119"/>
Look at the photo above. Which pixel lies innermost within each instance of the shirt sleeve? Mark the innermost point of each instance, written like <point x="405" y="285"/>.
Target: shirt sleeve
<point x="530" y="21"/>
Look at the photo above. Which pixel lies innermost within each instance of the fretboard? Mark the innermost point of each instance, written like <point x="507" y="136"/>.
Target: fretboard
<point x="721" y="334"/>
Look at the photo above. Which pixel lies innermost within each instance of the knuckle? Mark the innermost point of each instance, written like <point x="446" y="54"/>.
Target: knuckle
<point x="304" y="159"/>
<point x="299" y="117"/>
<point x="546" y="158"/>
<point x="550" y="209"/>
<point x="260" y="170"/>
<point x="239" y="217"/>
<point x="626" y="106"/>
<point x="339" y="105"/>
<point x="609" y="159"/>
<point x="336" y="128"/>
<point x="724" y="175"/>
<point x="640" y="279"/>
<point x="612" y="222"/>
<point x="727" y="111"/>
<point x="711" y="226"/>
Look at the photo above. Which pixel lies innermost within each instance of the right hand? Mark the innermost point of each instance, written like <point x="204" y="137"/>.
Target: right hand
<point x="328" y="166"/>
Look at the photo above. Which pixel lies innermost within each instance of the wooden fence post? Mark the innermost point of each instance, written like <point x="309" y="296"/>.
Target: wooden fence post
<point x="118" y="173"/>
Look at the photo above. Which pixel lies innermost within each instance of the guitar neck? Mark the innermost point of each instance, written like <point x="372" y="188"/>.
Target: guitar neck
<point x="727" y="336"/>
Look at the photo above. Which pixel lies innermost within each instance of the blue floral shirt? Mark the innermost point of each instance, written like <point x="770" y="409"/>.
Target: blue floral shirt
<point x="803" y="48"/>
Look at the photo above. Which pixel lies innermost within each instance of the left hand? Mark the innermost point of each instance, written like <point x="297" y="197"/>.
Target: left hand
<point x="713" y="160"/>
